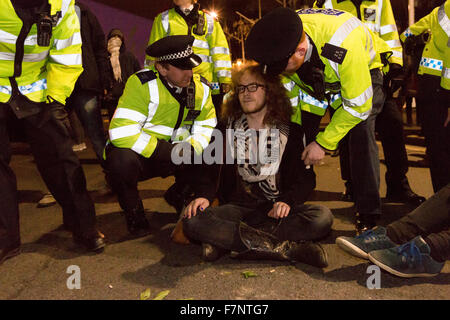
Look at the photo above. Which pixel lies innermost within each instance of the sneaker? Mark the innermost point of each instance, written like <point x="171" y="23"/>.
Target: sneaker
<point x="361" y="245"/>
<point x="409" y="260"/>
<point x="46" y="201"/>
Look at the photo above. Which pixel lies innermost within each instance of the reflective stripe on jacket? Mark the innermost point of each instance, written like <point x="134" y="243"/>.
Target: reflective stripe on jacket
<point x="212" y="46"/>
<point x="46" y="71"/>
<point x="436" y="54"/>
<point x="147" y="112"/>
<point x="362" y="54"/>
<point x="378" y="16"/>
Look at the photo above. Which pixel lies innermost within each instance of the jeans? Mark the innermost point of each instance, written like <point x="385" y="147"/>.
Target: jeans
<point x="430" y="220"/>
<point x="219" y="226"/>
<point x="86" y="106"/>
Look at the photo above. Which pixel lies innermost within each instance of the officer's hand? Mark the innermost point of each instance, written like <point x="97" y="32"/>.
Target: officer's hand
<point x="191" y="209"/>
<point x="60" y="117"/>
<point x="313" y="154"/>
<point x="280" y="210"/>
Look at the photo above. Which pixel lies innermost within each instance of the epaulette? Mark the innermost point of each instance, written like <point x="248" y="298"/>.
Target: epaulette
<point x="146" y="76"/>
<point x="333" y="53"/>
<point x="203" y="79"/>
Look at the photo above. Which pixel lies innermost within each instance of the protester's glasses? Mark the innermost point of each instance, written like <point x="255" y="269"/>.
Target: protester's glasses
<point x="252" y="87"/>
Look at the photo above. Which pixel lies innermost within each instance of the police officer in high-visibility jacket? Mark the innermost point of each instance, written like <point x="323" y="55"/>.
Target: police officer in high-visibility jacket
<point x="40" y="61"/>
<point x="210" y="44"/>
<point x="164" y="110"/>
<point x="433" y="31"/>
<point x="330" y="58"/>
<point x="377" y="15"/>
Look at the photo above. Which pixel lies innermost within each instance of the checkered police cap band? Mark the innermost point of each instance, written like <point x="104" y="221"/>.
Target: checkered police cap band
<point x="176" y="56"/>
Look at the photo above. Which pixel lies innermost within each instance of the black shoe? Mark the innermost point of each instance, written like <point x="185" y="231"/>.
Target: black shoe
<point x="308" y="252"/>
<point x="211" y="253"/>
<point x="95" y="243"/>
<point x="176" y="196"/>
<point x="137" y="223"/>
<point x="9" y="252"/>
<point x="364" y="223"/>
<point x="405" y="196"/>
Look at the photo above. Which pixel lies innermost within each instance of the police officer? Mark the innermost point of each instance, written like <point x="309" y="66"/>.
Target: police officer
<point x="40" y="61"/>
<point x="377" y="15"/>
<point x="329" y="58"/>
<point x="161" y="107"/>
<point x="433" y="31"/>
<point x="210" y="44"/>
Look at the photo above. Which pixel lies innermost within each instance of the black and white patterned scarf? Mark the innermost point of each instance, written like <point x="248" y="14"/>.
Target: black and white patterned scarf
<point x="258" y="154"/>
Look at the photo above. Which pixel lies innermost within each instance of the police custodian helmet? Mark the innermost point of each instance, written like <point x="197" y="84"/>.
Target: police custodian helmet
<point x="176" y="51"/>
<point x="274" y="38"/>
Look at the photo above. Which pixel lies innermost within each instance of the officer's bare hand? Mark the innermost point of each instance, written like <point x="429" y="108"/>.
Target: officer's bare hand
<point x="279" y="210"/>
<point x="191" y="209"/>
<point x="313" y="154"/>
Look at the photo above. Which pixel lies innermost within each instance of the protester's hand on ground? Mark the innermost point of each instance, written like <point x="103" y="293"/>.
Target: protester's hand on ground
<point x="313" y="154"/>
<point x="191" y="209"/>
<point x="279" y="210"/>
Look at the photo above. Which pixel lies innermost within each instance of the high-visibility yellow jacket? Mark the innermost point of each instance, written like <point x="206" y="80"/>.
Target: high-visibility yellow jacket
<point x="347" y="83"/>
<point x="212" y="46"/>
<point x="436" y="54"/>
<point x="147" y="112"/>
<point x="45" y="71"/>
<point x="378" y="16"/>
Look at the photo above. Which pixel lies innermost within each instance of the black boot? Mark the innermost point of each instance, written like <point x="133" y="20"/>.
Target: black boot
<point x="364" y="222"/>
<point x="400" y="191"/>
<point x="177" y="196"/>
<point x="262" y="245"/>
<point x="137" y="223"/>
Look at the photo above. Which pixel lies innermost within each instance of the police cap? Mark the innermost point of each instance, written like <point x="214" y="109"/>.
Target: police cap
<point x="175" y="50"/>
<point x="274" y="38"/>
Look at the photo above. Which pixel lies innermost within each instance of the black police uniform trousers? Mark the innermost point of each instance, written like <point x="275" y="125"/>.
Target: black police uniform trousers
<point x="127" y="168"/>
<point x="60" y="169"/>
<point x="219" y="226"/>
<point x="431" y="220"/>
<point x="359" y="155"/>
<point x="434" y="103"/>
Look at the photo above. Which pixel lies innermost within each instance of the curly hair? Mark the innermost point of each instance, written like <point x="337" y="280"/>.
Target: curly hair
<point x="279" y="107"/>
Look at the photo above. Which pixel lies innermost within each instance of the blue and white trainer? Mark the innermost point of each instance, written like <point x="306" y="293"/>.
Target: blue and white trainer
<point x="360" y="246"/>
<point x="409" y="260"/>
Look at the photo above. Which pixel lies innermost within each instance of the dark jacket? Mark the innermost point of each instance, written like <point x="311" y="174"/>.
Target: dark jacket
<point x="128" y="65"/>
<point x="94" y="53"/>
<point x="295" y="181"/>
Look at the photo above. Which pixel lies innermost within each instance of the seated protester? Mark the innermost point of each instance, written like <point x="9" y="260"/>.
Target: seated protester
<point x="417" y="245"/>
<point x="262" y="212"/>
<point x="160" y="107"/>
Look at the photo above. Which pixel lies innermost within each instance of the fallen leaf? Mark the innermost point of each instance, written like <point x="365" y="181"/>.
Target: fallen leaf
<point x="248" y="274"/>
<point x="145" y="295"/>
<point x="161" y="295"/>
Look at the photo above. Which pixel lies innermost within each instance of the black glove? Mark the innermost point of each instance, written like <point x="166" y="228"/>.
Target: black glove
<point x="395" y="78"/>
<point x="56" y="112"/>
<point x="416" y="43"/>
